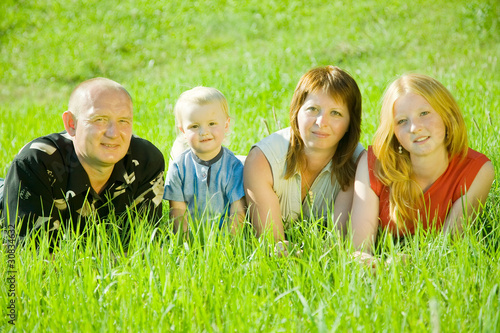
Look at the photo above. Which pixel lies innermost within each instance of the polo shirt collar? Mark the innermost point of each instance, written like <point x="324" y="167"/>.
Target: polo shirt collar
<point x="210" y="162"/>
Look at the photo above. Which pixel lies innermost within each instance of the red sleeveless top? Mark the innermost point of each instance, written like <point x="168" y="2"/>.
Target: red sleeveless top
<point x="438" y="199"/>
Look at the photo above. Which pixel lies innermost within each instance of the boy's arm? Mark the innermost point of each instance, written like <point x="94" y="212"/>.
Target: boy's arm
<point x="178" y="215"/>
<point x="237" y="214"/>
<point x="174" y="193"/>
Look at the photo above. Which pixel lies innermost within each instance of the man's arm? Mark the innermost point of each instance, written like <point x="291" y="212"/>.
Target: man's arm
<point x="29" y="202"/>
<point x="148" y="197"/>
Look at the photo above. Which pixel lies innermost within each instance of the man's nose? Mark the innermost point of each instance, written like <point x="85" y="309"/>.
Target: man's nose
<point x="112" y="129"/>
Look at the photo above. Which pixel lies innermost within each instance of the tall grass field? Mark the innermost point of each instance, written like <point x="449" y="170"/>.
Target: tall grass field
<point x="254" y="52"/>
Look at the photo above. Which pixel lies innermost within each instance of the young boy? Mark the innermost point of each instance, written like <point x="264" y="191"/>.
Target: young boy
<point x="207" y="179"/>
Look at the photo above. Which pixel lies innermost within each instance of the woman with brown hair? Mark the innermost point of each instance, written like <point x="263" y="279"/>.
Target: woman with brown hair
<point x="307" y="169"/>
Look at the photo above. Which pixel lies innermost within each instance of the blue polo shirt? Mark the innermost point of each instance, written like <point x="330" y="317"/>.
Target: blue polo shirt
<point x="207" y="187"/>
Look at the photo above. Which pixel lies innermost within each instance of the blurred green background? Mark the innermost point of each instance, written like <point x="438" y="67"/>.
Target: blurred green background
<point x="253" y="51"/>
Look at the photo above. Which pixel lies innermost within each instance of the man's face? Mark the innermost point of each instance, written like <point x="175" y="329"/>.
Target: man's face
<point x="103" y="129"/>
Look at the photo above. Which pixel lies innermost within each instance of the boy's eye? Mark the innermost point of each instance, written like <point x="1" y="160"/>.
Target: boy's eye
<point x="212" y="123"/>
<point x="194" y="126"/>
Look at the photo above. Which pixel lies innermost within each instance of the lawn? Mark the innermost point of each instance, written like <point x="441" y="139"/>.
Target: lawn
<point x="254" y="52"/>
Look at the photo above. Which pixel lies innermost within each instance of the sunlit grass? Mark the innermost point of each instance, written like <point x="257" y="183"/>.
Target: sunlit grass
<point x="216" y="282"/>
<point x="254" y="52"/>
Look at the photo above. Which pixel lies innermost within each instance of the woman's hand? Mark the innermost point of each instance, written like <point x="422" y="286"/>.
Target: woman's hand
<point x="283" y="248"/>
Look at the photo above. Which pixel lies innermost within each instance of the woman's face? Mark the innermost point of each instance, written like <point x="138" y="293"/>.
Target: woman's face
<point x="418" y="127"/>
<point x="322" y="122"/>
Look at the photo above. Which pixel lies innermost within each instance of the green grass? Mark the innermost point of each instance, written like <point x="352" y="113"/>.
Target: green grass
<point x="254" y="52"/>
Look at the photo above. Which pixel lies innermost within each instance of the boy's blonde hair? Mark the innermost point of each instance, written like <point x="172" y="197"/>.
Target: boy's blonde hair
<point x="199" y="96"/>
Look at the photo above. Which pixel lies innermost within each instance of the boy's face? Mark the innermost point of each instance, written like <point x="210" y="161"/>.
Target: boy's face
<point x="204" y="127"/>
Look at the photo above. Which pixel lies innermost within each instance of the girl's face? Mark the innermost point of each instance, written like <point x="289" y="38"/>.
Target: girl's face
<point x="204" y="127"/>
<point x="418" y="127"/>
<point x="322" y="122"/>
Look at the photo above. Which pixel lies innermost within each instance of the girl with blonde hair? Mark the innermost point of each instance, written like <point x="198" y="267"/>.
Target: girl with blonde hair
<point x="420" y="170"/>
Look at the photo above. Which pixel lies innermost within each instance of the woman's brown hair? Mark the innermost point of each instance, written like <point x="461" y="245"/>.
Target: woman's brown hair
<point x="340" y="86"/>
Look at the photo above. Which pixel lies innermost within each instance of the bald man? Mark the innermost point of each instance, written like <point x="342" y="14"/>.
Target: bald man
<point x="95" y="168"/>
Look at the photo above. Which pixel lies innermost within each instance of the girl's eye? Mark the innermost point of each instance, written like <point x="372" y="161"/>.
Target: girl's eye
<point x="312" y="109"/>
<point x="335" y="113"/>
<point x="401" y="121"/>
<point x="424" y="113"/>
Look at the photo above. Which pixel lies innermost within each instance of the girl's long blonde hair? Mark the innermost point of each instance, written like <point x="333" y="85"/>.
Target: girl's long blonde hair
<point x="394" y="169"/>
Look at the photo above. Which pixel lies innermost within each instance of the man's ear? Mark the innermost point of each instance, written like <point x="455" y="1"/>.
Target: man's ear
<point x="69" y="121"/>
